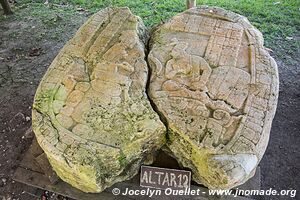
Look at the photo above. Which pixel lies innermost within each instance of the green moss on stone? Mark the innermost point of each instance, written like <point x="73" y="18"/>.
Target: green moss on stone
<point x="43" y="100"/>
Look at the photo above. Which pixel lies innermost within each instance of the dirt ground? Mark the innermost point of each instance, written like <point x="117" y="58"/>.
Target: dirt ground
<point x="27" y="47"/>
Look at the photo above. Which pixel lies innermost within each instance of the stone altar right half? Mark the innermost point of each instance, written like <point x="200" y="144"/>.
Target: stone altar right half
<point x="216" y="87"/>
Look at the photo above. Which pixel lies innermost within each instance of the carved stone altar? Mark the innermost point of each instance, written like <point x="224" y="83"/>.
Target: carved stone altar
<point x="213" y="87"/>
<point x="216" y="87"/>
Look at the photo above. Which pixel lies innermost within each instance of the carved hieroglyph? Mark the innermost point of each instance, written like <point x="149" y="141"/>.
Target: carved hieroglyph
<point x="216" y="87"/>
<point x="91" y="114"/>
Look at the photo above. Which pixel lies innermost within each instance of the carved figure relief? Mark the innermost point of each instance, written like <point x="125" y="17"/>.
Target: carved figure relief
<point x="217" y="88"/>
<point x="91" y="114"/>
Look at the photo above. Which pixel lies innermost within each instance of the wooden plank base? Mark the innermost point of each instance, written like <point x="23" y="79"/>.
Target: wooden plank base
<point x="35" y="170"/>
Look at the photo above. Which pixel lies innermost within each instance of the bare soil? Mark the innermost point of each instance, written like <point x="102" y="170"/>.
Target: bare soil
<point x="27" y="47"/>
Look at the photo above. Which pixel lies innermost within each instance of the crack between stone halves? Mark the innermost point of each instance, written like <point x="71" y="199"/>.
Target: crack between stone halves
<point x="162" y="118"/>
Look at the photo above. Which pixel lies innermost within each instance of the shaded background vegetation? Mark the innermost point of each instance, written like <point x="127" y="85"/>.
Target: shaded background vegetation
<point x="279" y="21"/>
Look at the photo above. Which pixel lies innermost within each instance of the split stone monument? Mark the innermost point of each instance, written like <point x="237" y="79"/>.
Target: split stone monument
<point x="206" y="93"/>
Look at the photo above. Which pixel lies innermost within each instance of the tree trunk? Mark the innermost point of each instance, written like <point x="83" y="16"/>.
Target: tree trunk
<point x="6" y="7"/>
<point x="190" y="4"/>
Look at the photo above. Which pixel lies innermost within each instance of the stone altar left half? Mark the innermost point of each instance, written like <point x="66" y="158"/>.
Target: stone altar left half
<point x="91" y="114"/>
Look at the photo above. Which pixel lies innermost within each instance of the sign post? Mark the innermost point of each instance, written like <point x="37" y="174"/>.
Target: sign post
<point x="190" y="4"/>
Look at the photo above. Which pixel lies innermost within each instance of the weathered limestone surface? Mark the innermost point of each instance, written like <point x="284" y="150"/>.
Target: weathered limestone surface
<point x="212" y="82"/>
<point x="217" y="87"/>
<point x="91" y="114"/>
